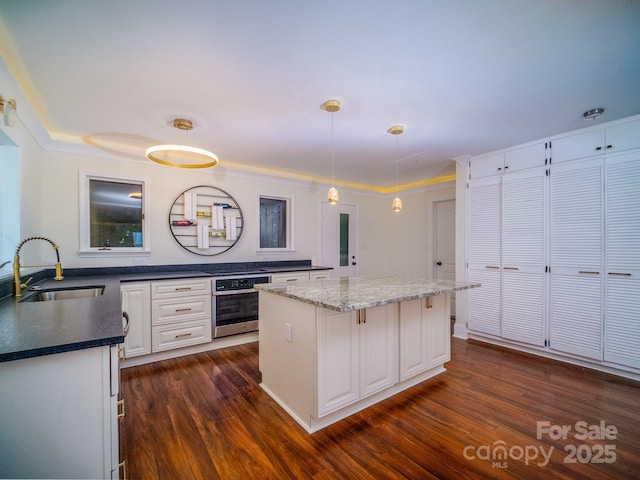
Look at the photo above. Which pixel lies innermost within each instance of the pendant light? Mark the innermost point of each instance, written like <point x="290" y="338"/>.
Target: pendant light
<point x="181" y="156"/>
<point x="332" y="106"/>
<point x="396" y="130"/>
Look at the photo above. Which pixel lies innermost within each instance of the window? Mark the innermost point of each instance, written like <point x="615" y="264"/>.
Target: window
<point x="113" y="215"/>
<point x="9" y="202"/>
<point x="275" y="223"/>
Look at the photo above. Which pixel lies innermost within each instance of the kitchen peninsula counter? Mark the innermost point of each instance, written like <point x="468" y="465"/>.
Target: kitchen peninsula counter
<point x="330" y="348"/>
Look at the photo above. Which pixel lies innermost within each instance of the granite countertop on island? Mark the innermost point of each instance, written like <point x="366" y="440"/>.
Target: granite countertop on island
<point x="354" y="293"/>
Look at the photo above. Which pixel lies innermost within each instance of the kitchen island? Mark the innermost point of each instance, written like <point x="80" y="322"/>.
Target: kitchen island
<point x="330" y="348"/>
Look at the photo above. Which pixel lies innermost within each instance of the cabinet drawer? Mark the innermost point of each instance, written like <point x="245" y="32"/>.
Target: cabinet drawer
<point x="319" y="275"/>
<point x="180" y="288"/>
<point x="289" y="277"/>
<point x="168" y="337"/>
<point x="180" y="310"/>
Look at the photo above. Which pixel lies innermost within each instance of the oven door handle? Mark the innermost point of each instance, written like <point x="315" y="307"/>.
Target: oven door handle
<point x="233" y="292"/>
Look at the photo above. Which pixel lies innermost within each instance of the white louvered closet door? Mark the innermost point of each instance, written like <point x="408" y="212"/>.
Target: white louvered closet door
<point x="485" y="255"/>
<point x="523" y="256"/>
<point x="576" y="290"/>
<point x="622" y="255"/>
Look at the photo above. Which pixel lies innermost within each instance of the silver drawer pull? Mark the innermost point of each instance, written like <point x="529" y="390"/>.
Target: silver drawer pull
<point x="586" y="272"/>
<point x="182" y="289"/>
<point x="492" y="267"/>
<point x="183" y="335"/>
<point x="510" y="268"/>
<point x="292" y="279"/>
<point x="617" y="274"/>
<point x="183" y="310"/>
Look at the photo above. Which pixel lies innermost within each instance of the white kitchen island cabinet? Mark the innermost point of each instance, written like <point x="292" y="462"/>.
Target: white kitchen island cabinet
<point x="329" y="349"/>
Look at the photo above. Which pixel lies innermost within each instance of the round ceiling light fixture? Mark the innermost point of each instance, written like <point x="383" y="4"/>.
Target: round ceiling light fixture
<point x="593" y="113"/>
<point x="181" y="156"/>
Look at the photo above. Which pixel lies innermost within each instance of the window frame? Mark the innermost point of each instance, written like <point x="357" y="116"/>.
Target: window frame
<point x="289" y="224"/>
<point x="85" y="249"/>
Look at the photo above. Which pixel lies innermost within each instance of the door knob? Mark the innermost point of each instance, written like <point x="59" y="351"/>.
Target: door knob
<point x="353" y="263"/>
<point x="439" y="263"/>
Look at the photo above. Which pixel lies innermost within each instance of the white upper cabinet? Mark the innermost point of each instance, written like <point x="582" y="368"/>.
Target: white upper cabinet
<point x="622" y="137"/>
<point x="581" y="145"/>
<point x="528" y="156"/>
<point x="522" y="158"/>
<point x="486" y="165"/>
<point x="612" y="139"/>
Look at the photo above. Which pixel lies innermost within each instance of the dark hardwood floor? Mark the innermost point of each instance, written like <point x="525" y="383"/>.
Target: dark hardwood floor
<point x="204" y="416"/>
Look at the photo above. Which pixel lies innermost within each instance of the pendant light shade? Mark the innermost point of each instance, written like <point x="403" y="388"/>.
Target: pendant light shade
<point x="332" y="106"/>
<point x="332" y="196"/>
<point x="396" y="130"/>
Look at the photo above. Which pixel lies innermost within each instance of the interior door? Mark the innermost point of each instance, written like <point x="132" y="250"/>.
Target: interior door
<point x="444" y="244"/>
<point x="339" y="239"/>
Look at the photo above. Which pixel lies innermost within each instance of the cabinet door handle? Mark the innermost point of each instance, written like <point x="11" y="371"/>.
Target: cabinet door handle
<point x="183" y="335"/>
<point x="123" y="465"/>
<point x="609" y="147"/>
<point x="597" y="149"/>
<point x="499" y="169"/>
<point x="618" y="274"/>
<point x="182" y="289"/>
<point x="510" y="268"/>
<point x="183" y="310"/>
<point x="292" y="279"/>
<point x="586" y="272"/>
<point x="121" y="409"/>
<point x="428" y="302"/>
<point x="492" y="267"/>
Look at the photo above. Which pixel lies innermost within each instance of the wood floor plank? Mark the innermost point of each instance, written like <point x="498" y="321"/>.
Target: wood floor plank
<point x="204" y="416"/>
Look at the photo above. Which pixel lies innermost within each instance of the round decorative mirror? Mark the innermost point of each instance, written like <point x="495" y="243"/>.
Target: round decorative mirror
<point x="206" y="220"/>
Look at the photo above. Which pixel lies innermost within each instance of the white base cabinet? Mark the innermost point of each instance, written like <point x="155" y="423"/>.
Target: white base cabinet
<point x="322" y="366"/>
<point x="180" y="313"/>
<point x="59" y="415"/>
<point x="136" y="302"/>
<point x="356" y="356"/>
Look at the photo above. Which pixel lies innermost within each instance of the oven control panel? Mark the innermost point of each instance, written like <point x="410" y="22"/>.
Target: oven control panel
<point x="240" y="283"/>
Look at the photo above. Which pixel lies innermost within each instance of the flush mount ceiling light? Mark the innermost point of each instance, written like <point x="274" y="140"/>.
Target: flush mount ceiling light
<point x="181" y="156"/>
<point x="332" y="106"/>
<point x="593" y="114"/>
<point x="396" y="130"/>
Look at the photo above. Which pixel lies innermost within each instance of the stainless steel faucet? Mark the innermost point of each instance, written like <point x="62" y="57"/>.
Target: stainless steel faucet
<point x="18" y="286"/>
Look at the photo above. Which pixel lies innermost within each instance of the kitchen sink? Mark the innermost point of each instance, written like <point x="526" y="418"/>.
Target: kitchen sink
<point x="49" y="295"/>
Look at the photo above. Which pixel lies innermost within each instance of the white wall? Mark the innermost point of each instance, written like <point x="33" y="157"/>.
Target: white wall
<point x="389" y="242"/>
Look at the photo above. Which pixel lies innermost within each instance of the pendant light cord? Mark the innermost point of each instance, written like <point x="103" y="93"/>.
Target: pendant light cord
<point x="332" y="153"/>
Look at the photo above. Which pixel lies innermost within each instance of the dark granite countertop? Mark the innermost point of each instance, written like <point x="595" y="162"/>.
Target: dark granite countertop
<point x="31" y="329"/>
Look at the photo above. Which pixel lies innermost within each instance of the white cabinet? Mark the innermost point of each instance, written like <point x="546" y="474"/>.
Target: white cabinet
<point x="322" y="275"/>
<point x="610" y="140"/>
<point x="622" y="256"/>
<point x="579" y="145"/>
<point x="523" y="256"/>
<point x="576" y="264"/>
<point x="513" y="160"/>
<point x="180" y="313"/>
<point x="59" y="415"/>
<point x="136" y="302"/>
<point x="425" y="329"/>
<point x="356" y="355"/>
<point x="289" y="277"/>
<point x="485" y="255"/>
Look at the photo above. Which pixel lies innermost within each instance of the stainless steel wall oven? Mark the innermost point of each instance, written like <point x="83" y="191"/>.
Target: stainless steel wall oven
<point x="235" y="304"/>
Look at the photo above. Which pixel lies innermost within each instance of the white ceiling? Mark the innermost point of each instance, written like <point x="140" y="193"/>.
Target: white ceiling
<point x="463" y="76"/>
